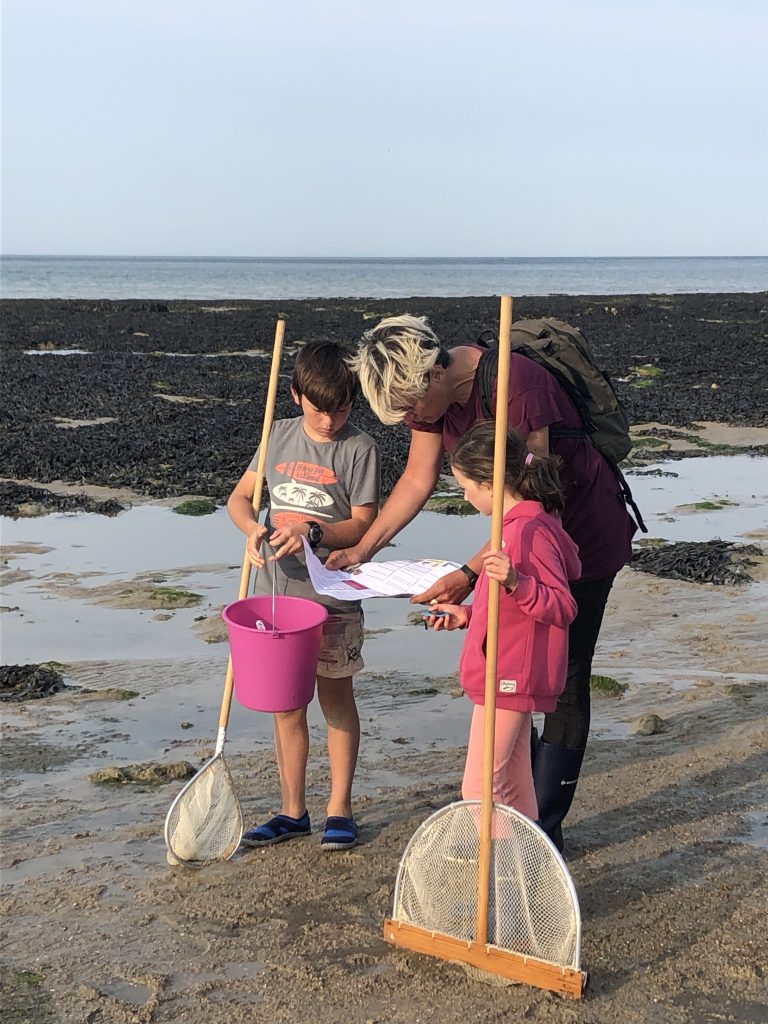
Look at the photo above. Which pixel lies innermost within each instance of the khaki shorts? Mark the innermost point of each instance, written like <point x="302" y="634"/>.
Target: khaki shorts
<point x="342" y="643"/>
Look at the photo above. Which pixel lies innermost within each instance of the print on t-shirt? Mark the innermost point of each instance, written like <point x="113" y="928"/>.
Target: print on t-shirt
<point x="292" y="500"/>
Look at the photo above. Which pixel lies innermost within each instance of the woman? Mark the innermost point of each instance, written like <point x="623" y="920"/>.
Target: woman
<point x="408" y="376"/>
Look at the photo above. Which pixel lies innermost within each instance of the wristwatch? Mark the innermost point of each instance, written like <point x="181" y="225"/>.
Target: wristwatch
<point x="315" y="534"/>
<point x="471" y="575"/>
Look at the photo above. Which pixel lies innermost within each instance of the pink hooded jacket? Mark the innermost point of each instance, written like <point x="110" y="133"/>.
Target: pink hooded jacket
<point x="533" y="618"/>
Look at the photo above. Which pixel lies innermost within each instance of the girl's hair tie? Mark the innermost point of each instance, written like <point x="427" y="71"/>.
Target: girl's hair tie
<point x="529" y="458"/>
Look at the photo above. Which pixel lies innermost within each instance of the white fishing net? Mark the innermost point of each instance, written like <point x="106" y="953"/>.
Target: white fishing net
<point x="533" y="908"/>
<point x="205" y="822"/>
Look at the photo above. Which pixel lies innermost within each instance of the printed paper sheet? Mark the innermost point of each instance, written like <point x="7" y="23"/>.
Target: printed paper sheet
<point x="399" y="578"/>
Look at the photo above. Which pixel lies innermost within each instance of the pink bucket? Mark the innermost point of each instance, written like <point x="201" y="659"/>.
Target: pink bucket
<point x="275" y="669"/>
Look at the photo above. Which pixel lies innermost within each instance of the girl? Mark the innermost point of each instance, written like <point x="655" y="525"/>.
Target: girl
<point x="536" y="608"/>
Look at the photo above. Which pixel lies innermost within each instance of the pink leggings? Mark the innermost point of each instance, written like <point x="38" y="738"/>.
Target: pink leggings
<point x="512" y="773"/>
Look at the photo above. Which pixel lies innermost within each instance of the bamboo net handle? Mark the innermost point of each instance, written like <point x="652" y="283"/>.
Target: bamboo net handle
<point x="492" y="636"/>
<point x="245" y="576"/>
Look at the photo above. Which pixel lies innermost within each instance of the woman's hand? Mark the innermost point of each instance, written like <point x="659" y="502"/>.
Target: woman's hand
<point x="453" y="587"/>
<point x="345" y="557"/>
<point x="498" y="566"/>
<point x="255" y="537"/>
<point x="288" y="540"/>
<point x="454" y="616"/>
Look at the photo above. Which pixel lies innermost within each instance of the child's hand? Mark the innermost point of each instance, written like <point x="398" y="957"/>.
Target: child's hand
<point x="255" y="537"/>
<point x="454" y="617"/>
<point x="288" y="540"/>
<point x="498" y="566"/>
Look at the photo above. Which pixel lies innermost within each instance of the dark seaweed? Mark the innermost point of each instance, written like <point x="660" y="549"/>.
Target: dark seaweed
<point x="13" y="495"/>
<point x="721" y="562"/>
<point x="29" y="682"/>
<point x="711" y="349"/>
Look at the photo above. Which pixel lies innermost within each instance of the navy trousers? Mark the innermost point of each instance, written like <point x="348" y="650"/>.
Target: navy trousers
<point x="568" y="724"/>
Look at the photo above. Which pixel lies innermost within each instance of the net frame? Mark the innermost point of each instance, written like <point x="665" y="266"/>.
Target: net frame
<point x="205" y="821"/>
<point x="448" y="901"/>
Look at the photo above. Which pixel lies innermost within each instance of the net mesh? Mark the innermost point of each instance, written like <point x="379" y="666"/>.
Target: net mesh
<point x="204" y="822"/>
<point x="532" y="908"/>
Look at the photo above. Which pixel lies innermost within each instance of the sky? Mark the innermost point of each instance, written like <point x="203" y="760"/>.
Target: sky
<point x="384" y="127"/>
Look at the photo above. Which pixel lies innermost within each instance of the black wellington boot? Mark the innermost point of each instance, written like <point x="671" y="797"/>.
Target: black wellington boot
<point x="555" y="774"/>
<point x="534" y="744"/>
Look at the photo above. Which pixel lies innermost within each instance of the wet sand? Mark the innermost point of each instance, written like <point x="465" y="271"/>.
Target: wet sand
<point x="667" y="841"/>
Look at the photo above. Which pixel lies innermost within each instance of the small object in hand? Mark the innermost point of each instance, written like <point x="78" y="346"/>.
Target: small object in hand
<point x="260" y="626"/>
<point x="438" y="615"/>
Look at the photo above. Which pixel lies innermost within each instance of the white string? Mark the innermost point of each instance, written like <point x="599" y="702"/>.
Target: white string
<point x="274" y="584"/>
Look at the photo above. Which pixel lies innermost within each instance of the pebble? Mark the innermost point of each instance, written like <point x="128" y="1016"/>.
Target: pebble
<point x="650" y="725"/>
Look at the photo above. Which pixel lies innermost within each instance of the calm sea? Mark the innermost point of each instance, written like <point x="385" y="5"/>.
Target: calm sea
<point x="140" y="277"/>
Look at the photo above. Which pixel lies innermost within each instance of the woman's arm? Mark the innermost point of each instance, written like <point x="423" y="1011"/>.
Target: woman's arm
<point x="538" y="441"/>
<point x="455" y="587"/>
<point x="350" y="531"/>
<point x="417" y="483"/>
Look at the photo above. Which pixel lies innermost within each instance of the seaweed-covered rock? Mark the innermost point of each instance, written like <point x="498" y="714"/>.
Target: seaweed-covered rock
<point x="29" y="682"/>
<point x="606" y="686"/>
<point x="651" y="472"/>
<point x="721" y="562"/>
<point x="151" y="772"/>
<point x="17" y="500"/>
<point x="450" y="505"/>
<point x="195" y="507"/>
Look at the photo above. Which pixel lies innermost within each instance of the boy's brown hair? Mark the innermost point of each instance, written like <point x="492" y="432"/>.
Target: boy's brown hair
<point x="322" y="375"/>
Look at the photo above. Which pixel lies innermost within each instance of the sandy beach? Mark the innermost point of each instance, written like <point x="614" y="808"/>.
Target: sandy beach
<point x="668" y="838"/>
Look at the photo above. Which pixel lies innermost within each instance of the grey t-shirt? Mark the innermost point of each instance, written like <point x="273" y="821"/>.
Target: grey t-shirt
<point x="313" y="480"/>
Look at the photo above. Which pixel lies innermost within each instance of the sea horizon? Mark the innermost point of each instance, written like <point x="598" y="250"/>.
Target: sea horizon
<point x="365" y="258"/>
<point x="41" y="276"/>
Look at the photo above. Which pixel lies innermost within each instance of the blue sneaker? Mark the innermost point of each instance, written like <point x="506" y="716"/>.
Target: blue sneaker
<point x="277" y="830"/>
<point x="339" y="834"/>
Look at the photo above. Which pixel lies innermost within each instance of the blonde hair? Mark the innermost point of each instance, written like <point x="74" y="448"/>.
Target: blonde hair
<point x="393" y="362"/>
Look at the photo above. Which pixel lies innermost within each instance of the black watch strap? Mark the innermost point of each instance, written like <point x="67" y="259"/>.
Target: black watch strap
<point x="471" y="575"/>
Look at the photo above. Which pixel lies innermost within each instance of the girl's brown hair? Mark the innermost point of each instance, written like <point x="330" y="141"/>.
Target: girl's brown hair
<point x="321" y="373"/>
<point x="532" y="477"/>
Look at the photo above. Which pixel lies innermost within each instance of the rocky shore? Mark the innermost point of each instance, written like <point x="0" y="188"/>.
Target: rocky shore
<point x="166" y="398"/>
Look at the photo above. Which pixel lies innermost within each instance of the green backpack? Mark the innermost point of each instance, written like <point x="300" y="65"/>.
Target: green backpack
<point x="562" y="350"/>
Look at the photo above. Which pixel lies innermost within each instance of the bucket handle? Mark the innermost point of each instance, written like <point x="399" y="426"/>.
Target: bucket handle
<point x="274" y="585"/>
<point x="275" y="631"/>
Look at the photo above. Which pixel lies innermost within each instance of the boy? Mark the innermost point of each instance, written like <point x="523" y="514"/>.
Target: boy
<point x="323" y="479"/>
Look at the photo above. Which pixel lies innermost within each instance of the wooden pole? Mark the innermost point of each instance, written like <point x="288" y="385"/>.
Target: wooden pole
<point x="492" y="641"/>
<point x="266" y="430"/>
<point x="487" y="957"/>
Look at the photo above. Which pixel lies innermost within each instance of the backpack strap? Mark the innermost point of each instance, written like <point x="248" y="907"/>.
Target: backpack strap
<point x="487" y="371"/>
<point x="626" y="493"/>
